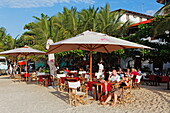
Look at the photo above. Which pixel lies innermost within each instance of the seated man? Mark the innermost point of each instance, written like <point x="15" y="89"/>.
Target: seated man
<point x="115" y="92"/>
<point x="114" y="77"/>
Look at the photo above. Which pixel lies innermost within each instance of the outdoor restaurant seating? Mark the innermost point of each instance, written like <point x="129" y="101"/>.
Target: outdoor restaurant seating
<point x="63" y="81"/>
<point x="76" y="95"/>
<point x="152" y="79"/>
<point x="45" y="80"/>
<point x="166" y="79"/>
<point x="98" y="75"/>
<point x="136" y="83"/>
<point x="61" y="86"/>
<point x="126" y="95"/>
<point x="17" y="77"/>
<point x="34" y="77"/>
<point x="98" y="89"/>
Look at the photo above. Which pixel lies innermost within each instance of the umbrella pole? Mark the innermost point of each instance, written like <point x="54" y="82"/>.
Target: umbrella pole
<point x="26" y="68"/>
<point x="91" y="65"/>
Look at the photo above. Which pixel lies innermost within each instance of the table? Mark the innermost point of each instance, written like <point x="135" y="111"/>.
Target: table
<point x="166" y="79"/>
<point x="45" y="79"/>
<point x="25" y="76"/>
<point x="99" y="88"/>
<point x="63" y="79"/>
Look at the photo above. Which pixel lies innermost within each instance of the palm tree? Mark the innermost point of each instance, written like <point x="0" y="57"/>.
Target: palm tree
<point x="88" y="19"/>
<point x="109" y="22"/>
<point x="6" y="41"/>
<point x="161" y="24"/>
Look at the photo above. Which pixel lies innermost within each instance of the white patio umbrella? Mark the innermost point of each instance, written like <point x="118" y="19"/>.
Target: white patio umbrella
<point x="25" y="51"/>
<point x="93" y="41"/>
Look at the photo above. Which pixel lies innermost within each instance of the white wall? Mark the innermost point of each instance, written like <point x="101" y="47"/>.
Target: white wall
<point x="124" y="63"/>
<point x="135" y="19"/>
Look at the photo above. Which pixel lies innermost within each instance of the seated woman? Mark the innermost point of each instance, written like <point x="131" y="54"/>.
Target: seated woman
<point x="66" y="71"/>
<point x="128" y="72"/>
<point x="117" y="91"/>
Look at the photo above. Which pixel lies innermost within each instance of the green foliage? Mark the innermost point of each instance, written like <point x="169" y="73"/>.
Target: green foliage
<point x="6" y="41"/>
<point x="70" y="23"/>
<point x="155" y="29"/>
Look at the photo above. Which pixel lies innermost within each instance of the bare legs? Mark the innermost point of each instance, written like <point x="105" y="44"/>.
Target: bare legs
<point x="109" y="98"/>
<point x="115" y="100"/>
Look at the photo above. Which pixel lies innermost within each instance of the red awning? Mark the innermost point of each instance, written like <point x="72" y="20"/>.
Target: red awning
<point x="143" y="22"/>
<point x="22" y="63"/>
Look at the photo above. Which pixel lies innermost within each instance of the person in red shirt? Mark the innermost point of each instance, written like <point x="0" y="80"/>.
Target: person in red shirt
<point x="134" y="73"/>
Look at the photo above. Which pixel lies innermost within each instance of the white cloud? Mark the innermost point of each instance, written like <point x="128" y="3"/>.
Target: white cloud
<point x="38" y="3"/>
<point x="150" y="12"/>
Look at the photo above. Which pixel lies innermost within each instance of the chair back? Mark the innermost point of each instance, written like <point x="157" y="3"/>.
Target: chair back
<point x="138" y="77"/>
<point x="73" y="71"/>
<point x="98" y="75"/>
<point x="61" y="75"/>
<point x="40" y="73"/>
<point x="82" y="72"/>
<point x="74" y="84"/>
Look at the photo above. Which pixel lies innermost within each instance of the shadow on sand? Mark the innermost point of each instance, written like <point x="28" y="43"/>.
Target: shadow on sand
<point x="62" y="95"/>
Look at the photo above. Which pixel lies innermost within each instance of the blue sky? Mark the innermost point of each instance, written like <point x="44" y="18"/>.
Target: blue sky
<point x="14" y="14"/>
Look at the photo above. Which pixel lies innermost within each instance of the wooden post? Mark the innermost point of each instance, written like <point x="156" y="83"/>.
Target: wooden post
<point x="91" y="61"/>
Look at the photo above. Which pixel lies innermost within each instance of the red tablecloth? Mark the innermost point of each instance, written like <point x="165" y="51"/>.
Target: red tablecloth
<point x="90" y="85"/>
<point x="106" y="87"/>
<point x="152" y="77"/>
<point x="44" y="76"/>
<point x="64" y="78"/>
<point x="26" y="75"/>
<point x="165" y="78"/>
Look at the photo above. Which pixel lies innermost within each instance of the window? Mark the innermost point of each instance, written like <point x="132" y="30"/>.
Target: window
<point x="140" y="19"/>
<point x="127" y="16"/>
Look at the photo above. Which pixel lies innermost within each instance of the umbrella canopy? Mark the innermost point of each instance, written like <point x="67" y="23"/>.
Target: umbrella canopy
<point x="93" y="41"/>
<point x="26" y="51"/>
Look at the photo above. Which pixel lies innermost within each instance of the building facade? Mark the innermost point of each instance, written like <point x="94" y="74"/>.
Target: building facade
<point x="132" y="16"/>
<point x="163" y="66"/>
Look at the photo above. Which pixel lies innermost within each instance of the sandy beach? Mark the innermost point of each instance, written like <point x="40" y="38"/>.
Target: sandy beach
<point x="31" y="98"/>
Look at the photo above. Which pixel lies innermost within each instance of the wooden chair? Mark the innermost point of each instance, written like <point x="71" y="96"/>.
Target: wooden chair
<point x="17" y="77"/>
<point x="152" y="80"/>
<point x="136" y="83"/>
<point x="77" y="93"/>
<point x="98" y="75"/>
<point x="34" y="77"/>
<point x="61" y="86"/>
<point x="126" y="93"/>
<point x="126" y="96"/>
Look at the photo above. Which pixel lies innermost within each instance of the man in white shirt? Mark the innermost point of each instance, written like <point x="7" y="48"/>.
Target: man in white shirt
<point x="114" y="77"/>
